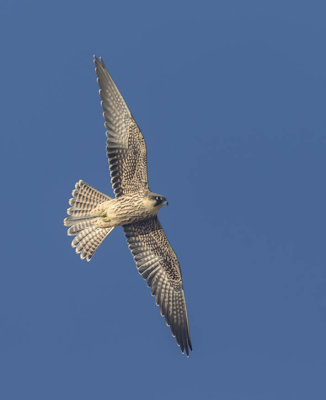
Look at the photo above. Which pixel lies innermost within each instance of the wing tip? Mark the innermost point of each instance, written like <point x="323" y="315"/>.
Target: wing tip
<point x="98" y="61"/>
<point x="185" y="347"/>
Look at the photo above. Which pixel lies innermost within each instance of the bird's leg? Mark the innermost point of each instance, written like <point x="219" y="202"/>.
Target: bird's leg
<point x="104" y="216"/>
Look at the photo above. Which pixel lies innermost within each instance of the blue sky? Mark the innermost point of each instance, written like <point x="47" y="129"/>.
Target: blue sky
<point x="230" y="97"/>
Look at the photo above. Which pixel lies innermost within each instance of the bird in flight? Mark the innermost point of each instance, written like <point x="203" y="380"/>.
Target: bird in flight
<point x="93" y="215"/>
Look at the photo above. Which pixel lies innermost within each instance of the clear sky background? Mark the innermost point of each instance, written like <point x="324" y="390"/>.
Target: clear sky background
<point x="230" y="96"/>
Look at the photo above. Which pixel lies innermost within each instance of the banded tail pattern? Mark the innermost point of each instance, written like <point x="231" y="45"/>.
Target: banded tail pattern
<point x="88" y="237"/>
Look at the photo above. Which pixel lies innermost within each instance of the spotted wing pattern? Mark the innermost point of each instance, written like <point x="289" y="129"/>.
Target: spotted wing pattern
<point x="158" y="264"/>
<point x="125" y="146"/>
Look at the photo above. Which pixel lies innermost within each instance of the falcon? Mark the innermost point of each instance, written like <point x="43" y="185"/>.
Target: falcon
<point x="93" y="215"/>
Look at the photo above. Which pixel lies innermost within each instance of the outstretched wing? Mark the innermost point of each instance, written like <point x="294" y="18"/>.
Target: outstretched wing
<point x="158" y="264"/>
<point x="125" y="146"/>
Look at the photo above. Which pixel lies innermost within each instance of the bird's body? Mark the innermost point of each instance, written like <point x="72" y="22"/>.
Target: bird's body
<point x="126" y="209"/>
<point x="93" y="215"/>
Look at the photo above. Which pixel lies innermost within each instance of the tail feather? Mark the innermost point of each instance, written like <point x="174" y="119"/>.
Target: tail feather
<point x="88" y="237"/>
<point x="86" y="243"/>
<point x="84" y="199"/>
<point x="79" y="226"/>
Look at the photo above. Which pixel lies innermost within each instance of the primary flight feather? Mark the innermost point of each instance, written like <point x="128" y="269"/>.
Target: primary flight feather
<point x="93" y="215"/>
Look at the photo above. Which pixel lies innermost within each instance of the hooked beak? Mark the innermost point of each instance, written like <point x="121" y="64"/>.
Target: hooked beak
<point x="165" y="203"/>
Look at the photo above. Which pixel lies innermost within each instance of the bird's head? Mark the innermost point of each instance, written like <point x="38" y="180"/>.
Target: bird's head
<point x="157" y="200"/>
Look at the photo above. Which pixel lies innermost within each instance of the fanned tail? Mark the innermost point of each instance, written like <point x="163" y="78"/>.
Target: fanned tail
<point x="88" y="237"/>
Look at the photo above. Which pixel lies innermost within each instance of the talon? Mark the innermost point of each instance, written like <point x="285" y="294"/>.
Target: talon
<point x="104" y="216"/>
